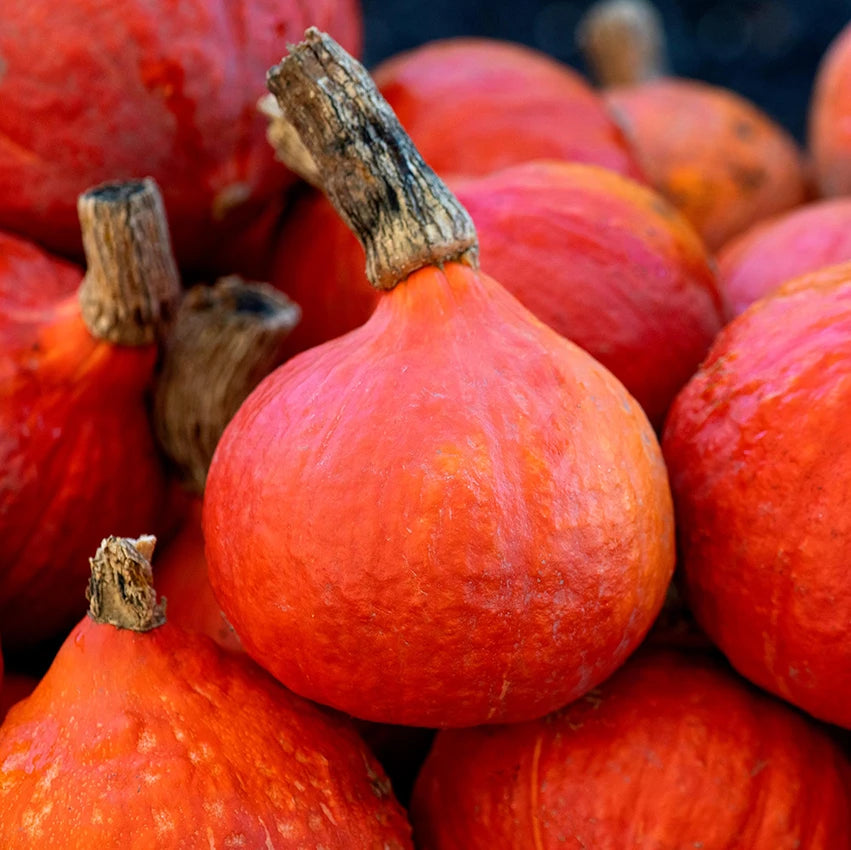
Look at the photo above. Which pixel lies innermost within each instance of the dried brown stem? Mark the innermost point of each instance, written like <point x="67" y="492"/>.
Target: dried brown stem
<point x="283" y="138"/>
<point x="623" y="42"/>
<point x="225" y="340"/>
<point x="121" y="589"/>
<point x="132" y="285"/>
<point x="403" y="214"/>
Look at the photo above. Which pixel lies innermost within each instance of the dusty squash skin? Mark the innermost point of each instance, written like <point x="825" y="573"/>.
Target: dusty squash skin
<point x="782" y="248"/>
<point x="474" y="105"/>
<point x="759" y="453"/>
<point x="673" y="751"/>
<point x="74" y="434"/>
<point x="644" y="277"/>
<point x="93" y="91"/>
<point x="158" y="738"/>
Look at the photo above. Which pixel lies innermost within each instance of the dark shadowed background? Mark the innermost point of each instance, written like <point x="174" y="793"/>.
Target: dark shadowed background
<point x="767" y="50"/>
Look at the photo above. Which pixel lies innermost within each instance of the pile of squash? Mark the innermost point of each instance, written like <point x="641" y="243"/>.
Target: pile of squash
<point x="452" y="456"/>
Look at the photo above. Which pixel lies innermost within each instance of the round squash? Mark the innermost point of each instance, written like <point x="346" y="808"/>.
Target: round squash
<point x="672" y="752"/>
<point x="143" y="735"/>
<point x="450" y="515"/>
<point x="759" y="453"/>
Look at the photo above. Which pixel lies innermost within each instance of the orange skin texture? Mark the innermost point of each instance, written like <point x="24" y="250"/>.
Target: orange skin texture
<point x="759" y="453"/>
<point x="644" y="278"/>
<point x="475" y="105"/>
<point x="77" y="457"/>
<point x="775" y="251"/>
<point x="181" y="577"/>
<point x="718" y="159"/>
<point x="672" y="752"/>
<point x="161" y="739"/>
<point x="449" y="516"/>
<point x="830" y="118"/>
<point x="93" y="91"/>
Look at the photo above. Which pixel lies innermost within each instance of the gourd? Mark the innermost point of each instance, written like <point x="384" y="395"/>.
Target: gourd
<point x="450" y="515"/>
<point x="644" y="279"/>
<point x="715" y="156"/>
<point x="77" y="358"/>
<point x="119" y="90"/>
<point x="775" y="251"/>
<point x="759" y="453"/>
<point x="144" y="735"/>
<point x="673" y="751"/>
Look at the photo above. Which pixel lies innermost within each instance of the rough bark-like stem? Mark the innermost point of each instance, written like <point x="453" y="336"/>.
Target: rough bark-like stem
<point x="132" y="286"/>
<point x="403" y="214"/>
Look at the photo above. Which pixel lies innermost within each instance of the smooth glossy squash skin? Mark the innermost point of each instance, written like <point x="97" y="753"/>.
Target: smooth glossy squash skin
<point x="181" y="577"/>
<point x="672" y="752"/>
<point x="77" y="457"/>
<point x="776" y="251"/>
<point x="829" y="129"/>
<point x="718" y="159"/>
<point x="639" y="293"/>
<point x="759" y="453"/>
<point x="161" y="739"/>
<point x="474" y="105"/>
<point x="449" y="516"/>
<point x="93" y="91"/>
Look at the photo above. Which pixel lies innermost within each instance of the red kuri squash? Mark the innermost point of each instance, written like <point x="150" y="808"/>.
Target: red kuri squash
<point x="76" y="446"/>
<point x="93" y="91"/>
<point x="451" y="515"/>
<point x="759" y="452"/>
<point x="672" y="752"/>
<point x="143" y="735"/>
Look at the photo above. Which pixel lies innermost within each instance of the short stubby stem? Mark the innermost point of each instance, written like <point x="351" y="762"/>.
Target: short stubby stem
<point x="132" y="285"/>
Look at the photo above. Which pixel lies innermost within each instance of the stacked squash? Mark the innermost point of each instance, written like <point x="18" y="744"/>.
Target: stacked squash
<point x="427" y="497"/>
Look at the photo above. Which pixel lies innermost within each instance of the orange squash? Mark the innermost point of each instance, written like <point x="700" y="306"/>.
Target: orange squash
<point x="143" y="735"/>
<point x="672" y="752"/>
<point x="759" y="453"/>
<point x="74" y="428"/>
<point x="639" y="294"/>
<point x="450" y="515"/>
<point x="715" y="156"/>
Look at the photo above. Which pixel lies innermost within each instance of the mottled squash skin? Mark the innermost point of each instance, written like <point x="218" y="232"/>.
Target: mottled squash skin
<point x="449" y="516"/>
<point x="638" y="293"/>
<point x="672" y="752"/>
<point x="717" y="158"/>
<point x="161" y="739"/>
<point x="93" y="91"/>
<point x="77" y="456"/>
<point x="475" y="105"/>
<point x="785" y="247"/>
<point x="759" y="453"/>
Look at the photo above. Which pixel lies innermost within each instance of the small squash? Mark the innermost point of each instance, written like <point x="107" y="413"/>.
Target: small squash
<point x="672" y="752"/>
<point x="76" y="447"/>
<point x="450" y="515"/>
<point x="143" y="735"/>
<point x="759" y="453"/>
<point x="715" y="156"/>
